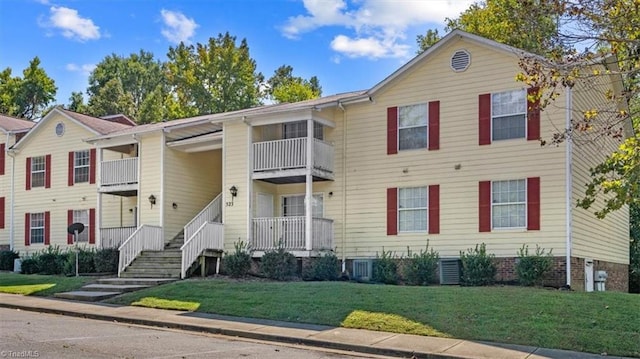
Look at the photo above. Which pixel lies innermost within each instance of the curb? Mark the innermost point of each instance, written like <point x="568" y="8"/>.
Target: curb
<point x="240" y="333"/>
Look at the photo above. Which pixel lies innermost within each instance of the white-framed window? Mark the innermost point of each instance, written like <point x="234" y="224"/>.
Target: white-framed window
<point x="412" y="127"/>
<point x="508" y="114"/>
<point x="38" y="169"/>
<point x="509" y="203"/>
<point x="299" y="129"/>
<point x="82" y="216"/>
<point x="81" y="166"/>
<point x="36" y="228"/>
<point x="294" y="206"/>
<point x="412" y="209"/>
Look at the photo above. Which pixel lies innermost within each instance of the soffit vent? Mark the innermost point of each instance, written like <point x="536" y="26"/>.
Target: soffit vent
<point x="450" y="271"/>
<point x="460" y="60"/>
<point x="362" y="269"/>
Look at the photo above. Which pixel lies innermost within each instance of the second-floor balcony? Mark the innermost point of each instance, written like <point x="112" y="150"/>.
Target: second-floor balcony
<point x="288" y="158"/>
<point x="119" y="176"/>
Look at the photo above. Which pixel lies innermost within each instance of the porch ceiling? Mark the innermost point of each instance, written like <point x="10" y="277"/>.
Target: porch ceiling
<point x="178" y="132"/>
<point x="206" y="142"/>
<point x="291" y="179"/>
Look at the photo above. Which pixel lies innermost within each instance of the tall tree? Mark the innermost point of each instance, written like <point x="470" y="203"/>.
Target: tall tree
<point x="284" y="87"/>
<point x="111" y="99"/>
<point x="427" y="40"/>
<point x="218" y="76"/>
<point x="76" y="102"/>
<point x="139" y="75"/>
<point x="27" y="96"/>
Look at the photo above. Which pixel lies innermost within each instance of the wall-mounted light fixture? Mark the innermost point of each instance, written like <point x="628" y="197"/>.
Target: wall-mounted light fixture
<point x="152" y="200"/>
<point x="234" y="192"/>
<point x="174" y="205"/>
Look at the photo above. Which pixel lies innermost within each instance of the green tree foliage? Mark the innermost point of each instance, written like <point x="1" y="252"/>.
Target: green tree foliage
<point x="427" y="40"/>
<point x="634" y="249"/>
<point x="126" y="80"/>
<point x="27" y="96"/>
<point x="218" y="76"/>
<point x="284" y="87"/>
<point x="76" y="103"/>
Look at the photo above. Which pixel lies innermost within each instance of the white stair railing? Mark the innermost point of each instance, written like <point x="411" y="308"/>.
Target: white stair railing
<point x="144" y="238"/>
<point x="208" y="214"/>
<point x="208" y="236"/>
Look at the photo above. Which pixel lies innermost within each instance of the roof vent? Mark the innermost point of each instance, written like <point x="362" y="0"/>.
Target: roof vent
<point x="460" y="60"/>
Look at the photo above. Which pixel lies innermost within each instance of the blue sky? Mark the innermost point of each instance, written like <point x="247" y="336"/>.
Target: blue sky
<point x="348" y="44"/>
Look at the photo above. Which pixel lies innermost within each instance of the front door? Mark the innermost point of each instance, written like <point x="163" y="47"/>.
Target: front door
<point x="264" y="234"/>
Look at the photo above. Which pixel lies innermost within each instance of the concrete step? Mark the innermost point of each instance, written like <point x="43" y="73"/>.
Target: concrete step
<point x="150" y="273"/>
<point x="122" y="288"/>
<point x="161" y="254"/>
<point x="155" y="264"/>
<point x="136" y="281"/>
<point x="87" y="296"/>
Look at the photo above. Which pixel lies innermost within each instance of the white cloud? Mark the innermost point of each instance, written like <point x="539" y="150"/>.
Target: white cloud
<point x="72" y="25"/>
<point x="178" y="27"/>
<point x="84" y="69"/>
<point x="373" y="28"/>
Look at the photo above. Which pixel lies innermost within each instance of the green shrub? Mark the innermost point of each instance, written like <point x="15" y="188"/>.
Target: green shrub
<point x="238" y="263"/>
<point x="532" y="268"/>
<point x="105" y="260"/>
<point x="420" y="268"/>
<point x="30" y="265"/>
<point x="326" y="267"/>
<point x="478" y="267"/>
<point x="279" y="264"/>
<point x="6" y="259"/>
<point x="52" y="260"/>
<point x="86" y="261"/>
<point x="385" y="268"/>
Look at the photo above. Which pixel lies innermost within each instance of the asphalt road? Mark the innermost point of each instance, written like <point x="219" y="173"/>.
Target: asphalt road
<point x="37" y="335"/>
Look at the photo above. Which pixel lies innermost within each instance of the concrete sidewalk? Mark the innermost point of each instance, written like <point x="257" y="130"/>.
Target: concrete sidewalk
<point x="363" y="341"/>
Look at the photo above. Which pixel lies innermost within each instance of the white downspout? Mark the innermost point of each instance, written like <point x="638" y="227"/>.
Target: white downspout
<point x="309" y="188"/>
<point x="139" y="170"/>
<point x="569" y="182"/>
<point x="249" y="213"/>
<point x="12" y="194"/>
<point x="344" y="187"/>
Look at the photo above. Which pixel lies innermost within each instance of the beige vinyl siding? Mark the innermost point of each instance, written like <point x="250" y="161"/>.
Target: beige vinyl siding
<point x="60" y="197"/>
<point x="150" y="162"/>
<point x="236" y="169"/>
<point x="192" y="180"/>
<point x="118" y="211"/>
<point x="370" y="170"/>
<point x="5" y="189"/>
<point x="601" y="239"/>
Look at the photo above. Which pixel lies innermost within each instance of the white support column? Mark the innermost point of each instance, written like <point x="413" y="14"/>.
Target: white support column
<point x="308" y="199"/>
<point x="249" y="189"/>
<point x="98" y="229"/>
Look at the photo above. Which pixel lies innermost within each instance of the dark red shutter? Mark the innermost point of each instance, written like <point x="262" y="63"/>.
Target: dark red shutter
<point x="2" y="158"/>
<point x="434" y="125"/>
<point x="392" y="211"/>
<point x="70" y="168"/>
<point x="47" y="228"/>
<point x="533" y="203"/>
<point x="92" y="226"/>
<point x="69" y="221"/>
<point x="47" y="171"/>
<point x="2" y="214"/>
<point x="28" y="174"/>
<point x="484" y="207"/>
<point x="434" y="209"/>
<point x="92" y="166"/>
<point x="392" y="130"/>
<point x="27" y="228"/>
<point x="484" y="119"/>
<point x="533" y="115"/>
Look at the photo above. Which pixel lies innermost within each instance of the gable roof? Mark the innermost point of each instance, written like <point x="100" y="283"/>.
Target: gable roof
<point x="455" y="34"/>
<point x="95" y="125"/>
<point x="10" y="124"/>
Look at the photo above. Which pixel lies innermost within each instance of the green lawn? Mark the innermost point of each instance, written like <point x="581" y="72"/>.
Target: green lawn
<point x="41" y="285"/>
<point x="592" y="322"/>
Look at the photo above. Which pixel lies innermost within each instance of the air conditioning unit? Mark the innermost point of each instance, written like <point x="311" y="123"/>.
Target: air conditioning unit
<point x="362" y="269"/>
<point x="450" y="271"/>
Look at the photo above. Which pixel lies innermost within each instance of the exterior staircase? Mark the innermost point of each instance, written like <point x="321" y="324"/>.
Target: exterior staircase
<point x="158" y="264"/>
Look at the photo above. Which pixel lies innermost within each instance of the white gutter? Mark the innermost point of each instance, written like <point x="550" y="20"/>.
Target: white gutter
<point x="344" y="186"/>
<point x="569" y="180"/>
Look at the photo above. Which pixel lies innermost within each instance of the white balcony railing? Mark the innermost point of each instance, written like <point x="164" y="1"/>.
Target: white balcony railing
<point x="289" y="232"/>
<point x="208" y="236"/>
<point x="144" y="238"/>
<point x="291" y="154"/>
<point x="114" y="237"/>
<point x="119" y="172"/>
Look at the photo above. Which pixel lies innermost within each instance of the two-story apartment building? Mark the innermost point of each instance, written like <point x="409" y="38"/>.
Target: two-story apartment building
<point x="54" y="182"/>
<point x="446" y="150"/>
<point x="11" y="130"/>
